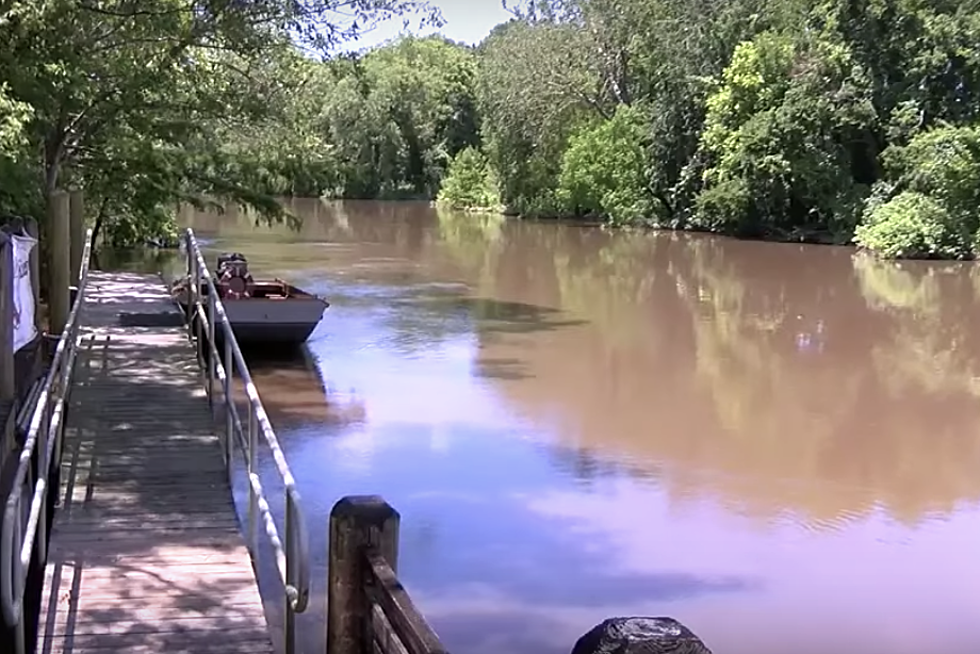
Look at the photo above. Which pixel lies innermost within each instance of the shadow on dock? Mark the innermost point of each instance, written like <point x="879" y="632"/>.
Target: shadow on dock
<point x="146" y="552"/>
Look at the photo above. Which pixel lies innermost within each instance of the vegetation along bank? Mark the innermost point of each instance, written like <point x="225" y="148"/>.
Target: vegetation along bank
<point x="832" y="120"/>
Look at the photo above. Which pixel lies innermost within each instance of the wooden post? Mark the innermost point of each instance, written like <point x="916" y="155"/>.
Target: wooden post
<point x="356" y="524"/>
<point x="77" y="232"/>
<point x="185" y="217"/>
<point x="7" y="277"/>
<point x="59" y="251"/>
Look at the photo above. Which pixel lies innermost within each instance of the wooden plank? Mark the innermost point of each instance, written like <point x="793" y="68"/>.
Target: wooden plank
<point x="385" y="639"/>
<point x="137" y="447"/>
<point x="406" y="621"/>
<point x="146" y="552"/>
<point x="135" y="521"/>
<point x="167" y="553"/>
<point x="128" y="506"/>
<point x="230" y="638"/>
<point x="81" y="549"/>
<point x="215" y="647"/>
<point x="95" y="496"/>
<point x="151" y="624"/>
<point x="121" y="505"/>
<point x="147" y="592"/>
<point x="161" y="573"/>
<point x="96" y="606"/>
<point x="149" y="475"/>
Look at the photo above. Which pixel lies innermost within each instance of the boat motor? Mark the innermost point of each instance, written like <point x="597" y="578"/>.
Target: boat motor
<point x="234" y="280"/>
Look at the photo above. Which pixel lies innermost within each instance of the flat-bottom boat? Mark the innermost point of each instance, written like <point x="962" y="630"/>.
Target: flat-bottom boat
<point x="260" y="311"/>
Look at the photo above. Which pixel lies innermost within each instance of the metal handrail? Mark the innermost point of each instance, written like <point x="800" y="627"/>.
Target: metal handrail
<point x="293" y="559"/>
<point x="44" y="436"/>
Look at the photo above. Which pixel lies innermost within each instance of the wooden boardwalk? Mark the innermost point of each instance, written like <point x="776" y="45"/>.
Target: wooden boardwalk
<point x="146" y="553"/>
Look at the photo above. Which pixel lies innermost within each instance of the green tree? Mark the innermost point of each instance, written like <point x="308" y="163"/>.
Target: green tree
<point x="927" y="206"/>
<point x="760" y="119"/>
<point x="603" y="171"/>
<point x="777" y="140"/>
<point x="469" y="182"/>
<point x="97" y="119"/>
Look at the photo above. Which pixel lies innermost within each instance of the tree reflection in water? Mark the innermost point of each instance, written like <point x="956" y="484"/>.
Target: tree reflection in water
<point x="777" y="376"/>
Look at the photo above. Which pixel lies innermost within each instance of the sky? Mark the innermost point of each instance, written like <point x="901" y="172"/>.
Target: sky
<point x="468" y="21"/>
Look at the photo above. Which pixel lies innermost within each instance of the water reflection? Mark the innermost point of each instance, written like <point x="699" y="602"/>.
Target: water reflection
<point x="756" y="362"/>
<point x="772" y="443"/>
<point x="293" y="391"/>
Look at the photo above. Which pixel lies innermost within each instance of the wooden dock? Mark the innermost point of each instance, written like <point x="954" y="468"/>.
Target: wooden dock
<point x="146" y="553"/>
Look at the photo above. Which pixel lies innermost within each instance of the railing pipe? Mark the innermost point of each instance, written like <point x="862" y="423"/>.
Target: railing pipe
<point x="19" y="541"/>
<point x="292" y="559"/>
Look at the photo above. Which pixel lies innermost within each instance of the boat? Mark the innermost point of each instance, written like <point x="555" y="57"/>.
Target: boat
<point x="261" y="311"/>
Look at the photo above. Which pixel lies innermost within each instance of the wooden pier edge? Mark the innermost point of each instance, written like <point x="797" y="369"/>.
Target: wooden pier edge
<point x="369" y="611"/>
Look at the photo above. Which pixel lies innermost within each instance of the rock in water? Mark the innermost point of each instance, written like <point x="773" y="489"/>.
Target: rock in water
<point x="640" y="636"/>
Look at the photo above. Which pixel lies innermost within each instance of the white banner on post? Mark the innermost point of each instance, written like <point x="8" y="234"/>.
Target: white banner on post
<point x="25" y="330"/>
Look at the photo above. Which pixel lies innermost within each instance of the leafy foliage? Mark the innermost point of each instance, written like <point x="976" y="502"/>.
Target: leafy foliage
<point x="928" y="206"/>
<point x="603" y="170"/>
<point x="469" y="182"/>
<point x="777" y="135"/>
<point x="771" y="120"/>
<point x="789" y="119"/>
<point x="145" y="103"/>
<point x="912" y="225"/>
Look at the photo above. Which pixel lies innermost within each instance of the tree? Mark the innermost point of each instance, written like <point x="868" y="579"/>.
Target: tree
<point x="97" y="118"/>
<point x="761" y="119"/>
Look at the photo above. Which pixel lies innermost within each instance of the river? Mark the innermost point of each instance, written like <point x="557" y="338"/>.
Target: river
<point x="777" y="445"/>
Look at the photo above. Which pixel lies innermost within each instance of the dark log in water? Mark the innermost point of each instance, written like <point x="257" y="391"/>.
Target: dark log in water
<point x="640" y="636"/>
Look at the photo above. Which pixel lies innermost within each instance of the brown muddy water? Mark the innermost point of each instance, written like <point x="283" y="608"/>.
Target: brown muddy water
<point x="777" y="445"/>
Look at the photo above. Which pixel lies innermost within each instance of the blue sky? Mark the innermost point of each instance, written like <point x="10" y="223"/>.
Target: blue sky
<point x="466" y="20"/>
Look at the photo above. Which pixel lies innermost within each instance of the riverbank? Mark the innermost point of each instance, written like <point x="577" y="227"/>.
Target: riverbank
<point x="807" y="236"/>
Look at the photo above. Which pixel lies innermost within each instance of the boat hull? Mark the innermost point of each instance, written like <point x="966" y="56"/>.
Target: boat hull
<point x="257" y="321"/>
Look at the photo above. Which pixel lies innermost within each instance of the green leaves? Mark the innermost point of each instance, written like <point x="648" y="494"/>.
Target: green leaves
<point x="470" y="183"/>
<point x="149" y="102"/>
<point x="14" y="116"/>
<point x="771" y="119"/>
<point x="934" y="213"/>
<point x="602" y="171"/>
<point x="913" y="225"/>
<point x="764" y="119"/>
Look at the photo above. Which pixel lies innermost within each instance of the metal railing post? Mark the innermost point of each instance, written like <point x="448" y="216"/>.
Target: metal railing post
<point x="189" y="252"/>
<point x="44" y="465"/>
<point x="229" y="404"/>
<point x="290" y="627"/>
<point x="252" y="469"/>
<point x="190" y="289"/>
<point x="198" y="327"/>
<point x="12" y="571"/>
<point x="212" y="311"/>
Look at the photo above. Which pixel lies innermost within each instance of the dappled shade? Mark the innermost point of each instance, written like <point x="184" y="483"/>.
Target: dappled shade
<point x="146" y="553"/>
